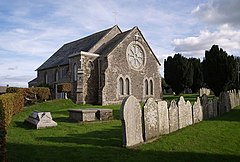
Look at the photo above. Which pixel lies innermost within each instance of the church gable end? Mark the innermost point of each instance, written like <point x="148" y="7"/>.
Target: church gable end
<point x="132" y="58"/>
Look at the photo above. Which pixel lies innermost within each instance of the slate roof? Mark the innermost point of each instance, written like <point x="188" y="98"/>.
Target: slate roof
<point x="61" y="56"/>
<point x="110" y="45"/>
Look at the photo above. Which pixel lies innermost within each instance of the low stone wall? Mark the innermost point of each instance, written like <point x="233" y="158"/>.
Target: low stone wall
<point x="157" y="118"/>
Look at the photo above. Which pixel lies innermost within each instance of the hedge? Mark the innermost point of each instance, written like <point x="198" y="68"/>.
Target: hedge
<point x="31" y="95"/>
<point x="64" y="87"/>
<point x="10" y="104"/>
<point x="6" y="108"/>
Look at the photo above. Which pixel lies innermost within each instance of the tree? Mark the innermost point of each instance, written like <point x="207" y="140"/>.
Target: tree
<point x="219" y="70"/>
<point x="178" y="73"/>
<point x="197" y="74"/>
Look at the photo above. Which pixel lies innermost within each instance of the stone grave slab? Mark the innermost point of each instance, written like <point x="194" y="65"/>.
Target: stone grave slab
<point x="41" y="120"/>
<point x="82" y="114"/>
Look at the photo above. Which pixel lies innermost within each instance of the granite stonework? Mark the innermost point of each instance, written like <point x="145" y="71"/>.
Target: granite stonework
<point x="173" y="116"/>
<point x="204" y="102"/>
<point x="185" y="113"/>
<point x="151" y="119"/>
<point x="104" y="114"/>
<point x="215" y="106"/>
<point x="90" y="114"/>
<point x="82" y="114"/>
<point x="197" y="111"/>
<point x="210" y="109"/>
<point x="163" y="117"/>
<point x="131" y="117"/>
<point x="177" y="116"/>
<point x="41" y="120"/>
<point x="205" y="91"/>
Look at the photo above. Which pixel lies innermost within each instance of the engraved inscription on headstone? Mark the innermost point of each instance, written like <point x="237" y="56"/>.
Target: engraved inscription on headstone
<point x="151" y="119"/>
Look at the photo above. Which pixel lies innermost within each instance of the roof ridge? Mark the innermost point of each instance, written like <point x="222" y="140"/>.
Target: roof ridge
<point x="91" y="35"/>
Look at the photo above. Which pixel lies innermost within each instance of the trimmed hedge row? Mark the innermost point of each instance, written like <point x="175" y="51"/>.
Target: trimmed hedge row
<point x="10" y="104"/>
<point x="31" y="95"/>
<point x="64" y="87"/>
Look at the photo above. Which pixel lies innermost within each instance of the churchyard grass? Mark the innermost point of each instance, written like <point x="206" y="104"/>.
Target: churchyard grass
<point x="188" y="97"/>
<point x="211" y="140"/>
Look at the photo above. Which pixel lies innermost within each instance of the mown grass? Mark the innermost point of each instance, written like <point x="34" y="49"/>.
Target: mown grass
<point x="187" y="97"/>
<point x="212" y="140"/>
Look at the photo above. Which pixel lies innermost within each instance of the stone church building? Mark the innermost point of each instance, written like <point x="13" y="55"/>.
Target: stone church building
<point x="103" y="68"/>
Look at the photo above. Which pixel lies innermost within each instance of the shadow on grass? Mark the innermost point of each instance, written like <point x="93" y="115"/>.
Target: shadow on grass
<point x="24" y="125"/>
<point x="233" y="115"/>
<point x="107" y="137"/>
<point x="23" y="152"/>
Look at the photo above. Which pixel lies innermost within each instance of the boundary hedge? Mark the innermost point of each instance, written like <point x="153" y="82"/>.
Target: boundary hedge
<point x="10" y="104"/>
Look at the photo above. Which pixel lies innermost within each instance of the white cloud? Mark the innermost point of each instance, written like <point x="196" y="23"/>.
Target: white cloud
<point x="219" y="12"/>
<point x="226" y="37"/>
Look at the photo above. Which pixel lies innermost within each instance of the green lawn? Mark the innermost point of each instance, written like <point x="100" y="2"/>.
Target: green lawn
<point x="212" y="140"/>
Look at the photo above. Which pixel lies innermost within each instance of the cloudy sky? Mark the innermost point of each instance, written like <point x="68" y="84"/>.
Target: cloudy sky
<point x="32" y="30"/>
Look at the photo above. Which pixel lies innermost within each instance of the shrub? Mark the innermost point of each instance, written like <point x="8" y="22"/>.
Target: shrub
<point x="12" y="89"/>
<point x="31" y="95"/>
<point x="42" y="93"/>
<point x="18" y="103"/>
<point x="10" y="103"/>
<point x="6" y="108"/>
<point x="64" y="87"/>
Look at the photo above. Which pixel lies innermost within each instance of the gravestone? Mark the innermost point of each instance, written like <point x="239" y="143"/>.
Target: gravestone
<point x="151" y="119"/>
<point x="197" y="111"/>
<point x="215" y="106"/>
<point x="224" y="105"/>
<point x="163" y="117"/>
<point x="173" y="116"/>
<point x="210" y="109"/>
<point x="185" y="113"/>
<point x="131" y="117"/>
<point x="204" y="102"/>
<point x="41" y="120"/>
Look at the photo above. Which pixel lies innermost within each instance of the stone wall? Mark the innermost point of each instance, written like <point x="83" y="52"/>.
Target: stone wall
<point x="157" y="118"/>
<point x="113" y="70"/>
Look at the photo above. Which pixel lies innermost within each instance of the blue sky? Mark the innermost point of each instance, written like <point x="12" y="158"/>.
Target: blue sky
<point x="32" y="30"/>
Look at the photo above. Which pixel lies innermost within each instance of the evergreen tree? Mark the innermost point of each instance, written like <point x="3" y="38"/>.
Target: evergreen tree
<point x="197" y="74"/>
<point x="178" y="73"/>
<point x="219" y="70"/>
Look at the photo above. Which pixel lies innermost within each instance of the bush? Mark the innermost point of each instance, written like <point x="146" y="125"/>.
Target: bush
<point x="10" y="104"/>
<point x="31" y="95"/>
<point x="12" y="90"/>
<point x="18" y="103"/>
<point x="6" y="108"/>
<point x="64" y="87"/>
<point x="42" y="93"/>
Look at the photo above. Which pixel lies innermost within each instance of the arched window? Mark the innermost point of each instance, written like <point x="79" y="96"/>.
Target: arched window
<point x="151" y="87"/>
<point x="56" y="75"/>
<point x="75" y="72"/>
<point x="127" y="86"/>
<point x="46" y="77"/>
<point x="146" y="87"/>
<point x="121" y="86"/>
